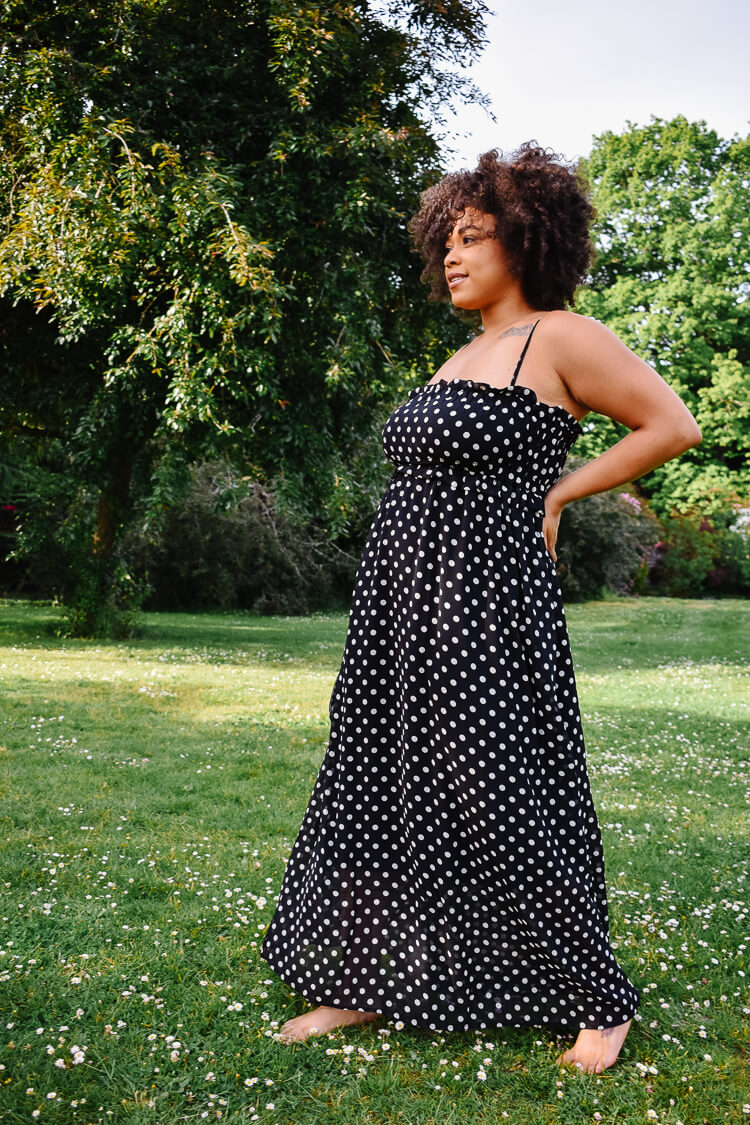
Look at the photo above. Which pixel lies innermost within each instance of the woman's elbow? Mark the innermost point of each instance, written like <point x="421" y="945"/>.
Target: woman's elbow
<point x="678" y="439"/>
<point x="692" y="436"/>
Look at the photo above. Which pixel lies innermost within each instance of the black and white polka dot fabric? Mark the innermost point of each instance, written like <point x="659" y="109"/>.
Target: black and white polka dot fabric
<point x="449" y="869"/>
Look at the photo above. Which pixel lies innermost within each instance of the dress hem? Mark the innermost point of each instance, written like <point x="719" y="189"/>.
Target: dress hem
<point x="549" y="1025"/>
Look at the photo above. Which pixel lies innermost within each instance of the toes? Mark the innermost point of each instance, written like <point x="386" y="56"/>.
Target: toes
<point x="574" y="1063"/>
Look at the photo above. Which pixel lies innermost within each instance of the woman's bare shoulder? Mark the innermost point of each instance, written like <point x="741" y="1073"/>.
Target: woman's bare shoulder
<point x="581" y="343"/>
<point x="564" y="325"/>
<point x="602" y="374"/>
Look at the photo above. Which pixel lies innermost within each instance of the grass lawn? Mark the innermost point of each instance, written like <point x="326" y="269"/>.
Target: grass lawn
<point x="152" y="789"/>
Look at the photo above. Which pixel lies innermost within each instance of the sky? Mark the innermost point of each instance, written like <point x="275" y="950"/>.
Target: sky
<point x="560" y="73"/>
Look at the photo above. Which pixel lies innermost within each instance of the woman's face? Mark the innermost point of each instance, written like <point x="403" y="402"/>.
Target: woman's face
<point x="475" y="267"/>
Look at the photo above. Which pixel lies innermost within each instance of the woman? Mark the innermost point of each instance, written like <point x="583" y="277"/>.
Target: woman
<point x="449" y="869"/>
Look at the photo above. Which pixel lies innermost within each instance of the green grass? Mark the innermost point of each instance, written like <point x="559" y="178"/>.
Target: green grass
<point x="153" y="788"/>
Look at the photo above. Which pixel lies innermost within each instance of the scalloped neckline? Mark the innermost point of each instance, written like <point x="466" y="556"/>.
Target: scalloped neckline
<point x="508" y="387"/>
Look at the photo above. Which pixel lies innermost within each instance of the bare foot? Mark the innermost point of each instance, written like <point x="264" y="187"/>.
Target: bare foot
<point x="594" y="1050"/>
<point x="321" y="1020"/>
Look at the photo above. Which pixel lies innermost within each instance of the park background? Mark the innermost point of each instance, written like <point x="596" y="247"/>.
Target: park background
<point x="210" y="303"/>
<point x="209" y="307"/>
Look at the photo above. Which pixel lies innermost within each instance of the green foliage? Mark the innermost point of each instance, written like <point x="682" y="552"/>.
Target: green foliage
<point x="604" y="542"/>
<point x="104" y="600"/>
<point x="671" y="280"/>
<point x="688" y="556"/>
<point x="614" y="542"/>
<point x="45" y="511"/>
<point x="113" y="241"/>
<point x="56" y="530"/>
<point x="226" y="545"/>
<point x="203" y="245"/>
<point x="701" y="555"/>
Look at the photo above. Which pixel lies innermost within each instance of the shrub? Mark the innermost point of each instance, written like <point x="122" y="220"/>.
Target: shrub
<point x="53" y="549"/>
<point x="701" y="554"/>
<point x="733" y="556"/>
<point x="226" y="545"/>
<point x="104" y="600"/>
<point x="605" y="542"/>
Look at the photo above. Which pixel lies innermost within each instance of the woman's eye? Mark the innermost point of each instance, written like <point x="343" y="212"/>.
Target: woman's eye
<point x="464" y="239"/>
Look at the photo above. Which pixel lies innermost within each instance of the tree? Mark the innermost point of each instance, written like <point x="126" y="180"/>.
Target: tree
<point x="204" y="245"/>
<point x="671" y="279"/>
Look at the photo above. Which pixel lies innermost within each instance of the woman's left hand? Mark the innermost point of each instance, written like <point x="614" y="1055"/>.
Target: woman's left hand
<point x="550" y="524"/>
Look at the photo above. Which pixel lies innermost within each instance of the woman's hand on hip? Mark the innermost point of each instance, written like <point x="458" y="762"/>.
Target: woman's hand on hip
<point x="551" y="524"/>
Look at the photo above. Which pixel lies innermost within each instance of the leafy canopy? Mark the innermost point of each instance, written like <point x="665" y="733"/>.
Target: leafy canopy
<point x="203" y="243"/>
<point x="671" y="279"/>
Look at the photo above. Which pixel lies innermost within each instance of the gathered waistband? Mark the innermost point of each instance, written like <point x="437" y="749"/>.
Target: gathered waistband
<point x="452" y="476"/>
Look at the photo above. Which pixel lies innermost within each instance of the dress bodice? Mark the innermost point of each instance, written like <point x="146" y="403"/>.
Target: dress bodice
<point x="459" y="425"/>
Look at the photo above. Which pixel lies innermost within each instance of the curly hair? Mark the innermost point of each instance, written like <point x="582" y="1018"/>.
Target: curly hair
<point x="542" y="216"/>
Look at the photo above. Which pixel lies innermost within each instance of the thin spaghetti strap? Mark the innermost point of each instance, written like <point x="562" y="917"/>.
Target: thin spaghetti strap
<point x="523" y="353"/>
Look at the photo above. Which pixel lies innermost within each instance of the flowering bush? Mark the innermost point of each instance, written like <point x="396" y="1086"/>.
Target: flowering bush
<point x="605" y="542"/>
<point x="701" y="554"/>
<point x="614" y="541"/>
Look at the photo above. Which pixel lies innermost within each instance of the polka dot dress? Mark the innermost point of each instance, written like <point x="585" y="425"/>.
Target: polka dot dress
<point x="449" y="869"/>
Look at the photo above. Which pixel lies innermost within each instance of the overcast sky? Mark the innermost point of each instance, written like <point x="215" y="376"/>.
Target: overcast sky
<point x="561" y="73"/>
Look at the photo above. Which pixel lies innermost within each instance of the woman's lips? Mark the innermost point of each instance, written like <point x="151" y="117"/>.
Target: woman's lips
<point x="454" y="281"/>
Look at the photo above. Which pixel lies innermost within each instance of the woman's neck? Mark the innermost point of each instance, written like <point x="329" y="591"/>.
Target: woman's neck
<point x="506" y="312"/>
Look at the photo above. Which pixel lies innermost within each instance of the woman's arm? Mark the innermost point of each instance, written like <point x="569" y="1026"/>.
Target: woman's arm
<point x="604" y="375"/>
